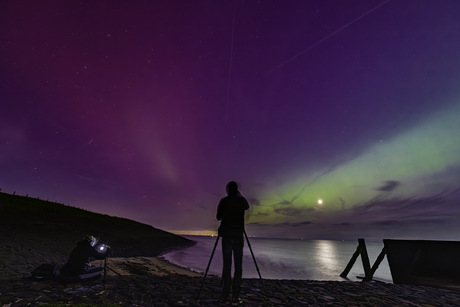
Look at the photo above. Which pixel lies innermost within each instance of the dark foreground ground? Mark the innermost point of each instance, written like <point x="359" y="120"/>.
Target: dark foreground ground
<point x="181" y="290"/>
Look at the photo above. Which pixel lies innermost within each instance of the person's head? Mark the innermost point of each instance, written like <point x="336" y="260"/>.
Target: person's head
<point x="232" y="188"/>
<point x="91" y="240"/>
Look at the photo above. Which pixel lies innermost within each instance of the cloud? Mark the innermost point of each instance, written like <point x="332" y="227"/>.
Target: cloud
<point x="290" y="211"/>
<point x="253" y="201"/>
<point x="435" y="217"/>
<point x="261" y="214"/>
<point x="284" y="203"/>
<point x="441" y="204"/>
<point x="288" y="224"/>
<point x="389" y="186"/>
<point x="389" y="222"/>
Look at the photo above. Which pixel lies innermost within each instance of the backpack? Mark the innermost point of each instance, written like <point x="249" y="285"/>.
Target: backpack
<point x="45" y="271"/>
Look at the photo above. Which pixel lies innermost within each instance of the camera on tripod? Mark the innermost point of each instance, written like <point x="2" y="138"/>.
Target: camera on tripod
<point x="101" y="248"/>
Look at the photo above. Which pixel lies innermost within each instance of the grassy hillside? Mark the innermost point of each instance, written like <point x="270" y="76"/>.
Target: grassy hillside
<point x="39" y="231"/>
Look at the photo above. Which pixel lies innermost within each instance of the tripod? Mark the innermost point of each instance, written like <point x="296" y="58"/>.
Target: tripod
<point x="107" y="267"/>
<point x="212" y="255"/>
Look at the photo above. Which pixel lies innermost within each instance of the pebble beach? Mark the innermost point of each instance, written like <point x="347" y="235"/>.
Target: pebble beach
<point x="152" y="281"/>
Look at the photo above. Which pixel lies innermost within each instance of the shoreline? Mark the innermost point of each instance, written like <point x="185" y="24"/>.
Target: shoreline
<point x="32" y="235"/>
<point x="153" y="281"/>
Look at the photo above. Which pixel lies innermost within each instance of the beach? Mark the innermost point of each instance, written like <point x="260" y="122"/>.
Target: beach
<point x="33" y="232"/>
<point x="152" y="281"/>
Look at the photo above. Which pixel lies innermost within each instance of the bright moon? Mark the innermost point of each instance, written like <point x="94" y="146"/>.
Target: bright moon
<point x="320" y="201"/>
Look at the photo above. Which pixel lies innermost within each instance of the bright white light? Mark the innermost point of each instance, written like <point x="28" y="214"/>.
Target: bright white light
<point x="102" y="248"/>
<point x="320" y="201"/>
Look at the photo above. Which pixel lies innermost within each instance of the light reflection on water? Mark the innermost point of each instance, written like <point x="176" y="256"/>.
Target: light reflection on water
<point x="325" y="253"/>
<point x="284" y="259"/>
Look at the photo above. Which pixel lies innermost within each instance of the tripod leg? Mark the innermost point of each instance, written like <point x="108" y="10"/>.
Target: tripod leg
<point x="207" y="269"/>
<point x="105" y="268"/>
<point x="255" y="262"/>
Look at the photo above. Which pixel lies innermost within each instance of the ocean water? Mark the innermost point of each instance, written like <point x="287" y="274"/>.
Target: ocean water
<point x="284" y="259"/>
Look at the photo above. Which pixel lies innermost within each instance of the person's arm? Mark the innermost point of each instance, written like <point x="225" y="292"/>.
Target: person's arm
<point x="246" y="204"/>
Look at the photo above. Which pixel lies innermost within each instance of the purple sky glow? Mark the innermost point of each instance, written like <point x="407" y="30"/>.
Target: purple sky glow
<point x="146" y="109"/>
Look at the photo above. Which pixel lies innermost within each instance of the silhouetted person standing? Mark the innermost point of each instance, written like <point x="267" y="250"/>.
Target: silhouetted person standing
<point x="231" y="214"/>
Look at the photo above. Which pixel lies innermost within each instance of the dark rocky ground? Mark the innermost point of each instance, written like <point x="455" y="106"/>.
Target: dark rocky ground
<point x="181" y="290"/>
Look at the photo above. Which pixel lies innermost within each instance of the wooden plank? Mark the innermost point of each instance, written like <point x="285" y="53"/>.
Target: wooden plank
<point x="365" y="258"/>
<point x="376" y="265"/>
<point x="351" y="262"/>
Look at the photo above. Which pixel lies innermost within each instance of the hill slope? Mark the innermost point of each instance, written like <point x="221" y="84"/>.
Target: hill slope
<point x="35" y="231"/>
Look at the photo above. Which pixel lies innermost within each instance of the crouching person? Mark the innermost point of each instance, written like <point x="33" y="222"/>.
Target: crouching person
<point x="77" y="267"/>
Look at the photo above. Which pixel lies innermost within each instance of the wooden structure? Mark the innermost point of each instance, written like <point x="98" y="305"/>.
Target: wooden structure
<point x="414" y="262"/>
<point x="368" y="270"/>
<point x="424" y="262"/>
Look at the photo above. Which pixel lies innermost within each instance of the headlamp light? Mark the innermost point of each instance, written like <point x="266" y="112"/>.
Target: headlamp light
<point x="101" y="248"/>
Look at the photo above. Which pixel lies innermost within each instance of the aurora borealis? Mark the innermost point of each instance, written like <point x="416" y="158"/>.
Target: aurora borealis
<point x="146" y="109"/>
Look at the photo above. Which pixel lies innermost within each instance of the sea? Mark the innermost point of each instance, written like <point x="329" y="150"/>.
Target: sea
<point x="284" y="258"/>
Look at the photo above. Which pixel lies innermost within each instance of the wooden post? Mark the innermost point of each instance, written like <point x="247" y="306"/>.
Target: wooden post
<point x="351" y="262"/>
<point x="365" y="259"/>
<point x="376" y="264"/>
<point x="362" y="250"/>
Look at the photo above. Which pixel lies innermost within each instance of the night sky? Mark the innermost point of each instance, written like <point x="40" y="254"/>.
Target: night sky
<point x="339" y="119"/>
